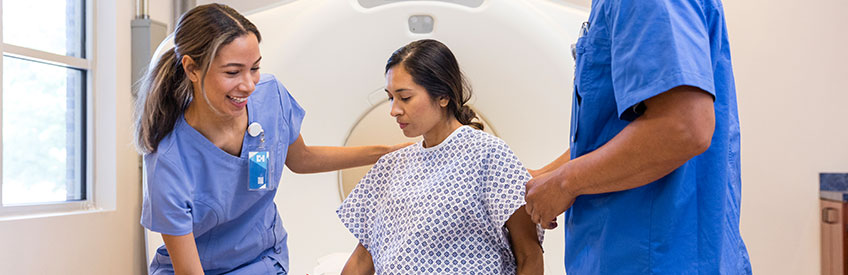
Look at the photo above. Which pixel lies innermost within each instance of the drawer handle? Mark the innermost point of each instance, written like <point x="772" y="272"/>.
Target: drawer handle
<point x="830" y="215"/>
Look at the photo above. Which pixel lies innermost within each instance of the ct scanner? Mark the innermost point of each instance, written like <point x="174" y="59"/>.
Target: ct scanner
<point x="331" y="54"/>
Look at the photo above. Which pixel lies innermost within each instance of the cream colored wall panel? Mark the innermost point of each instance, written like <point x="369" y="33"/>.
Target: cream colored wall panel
<point x="331" y="54"/>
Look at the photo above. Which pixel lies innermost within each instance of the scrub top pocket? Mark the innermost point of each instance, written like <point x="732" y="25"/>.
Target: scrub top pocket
<point x="592" y="77"/>
<point x="279" y="234"/>
<point x="277" y="166"/>
<point x="592" y="66"/>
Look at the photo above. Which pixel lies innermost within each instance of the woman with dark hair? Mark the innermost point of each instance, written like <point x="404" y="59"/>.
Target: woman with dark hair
<point x="215" y="135"/>
<point x="451" y="203"/>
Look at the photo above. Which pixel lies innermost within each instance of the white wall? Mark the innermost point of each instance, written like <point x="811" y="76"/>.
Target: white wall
<point x="249" y="6"/>
<point x="790" y="62"/>
<point x="789" y="59"/>
<point x="162" y="11"/>
<point x="98" y="242"/>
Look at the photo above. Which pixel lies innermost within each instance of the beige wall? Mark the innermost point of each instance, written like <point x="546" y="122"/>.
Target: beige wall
<point x="99" y="242"/>
<point x="789" y="59"/>
<point x="249" y="6"/>
<point x="161" y="11"/>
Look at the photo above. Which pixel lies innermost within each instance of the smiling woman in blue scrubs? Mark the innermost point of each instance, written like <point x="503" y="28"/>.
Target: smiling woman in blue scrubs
<point x="215" y="135"/>
<point x="651" y="181"/>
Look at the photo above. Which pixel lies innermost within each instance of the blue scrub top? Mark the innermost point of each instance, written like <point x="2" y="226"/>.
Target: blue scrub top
<point x="195" y="187"/>
<point x="688" y="221"/>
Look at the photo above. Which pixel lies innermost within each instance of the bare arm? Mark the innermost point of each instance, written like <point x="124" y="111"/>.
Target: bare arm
<point x="302" y="158"/>
<point x="562" y="159"/>
<point x="525" y="243"/>
<point x="183" y="253"/>
<point x="359" y="262"/>
<point x="676" y="126"/>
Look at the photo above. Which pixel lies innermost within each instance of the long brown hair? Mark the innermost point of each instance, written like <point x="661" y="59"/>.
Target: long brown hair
<point x="166" y="91"/>
<point x="433" y="66"/>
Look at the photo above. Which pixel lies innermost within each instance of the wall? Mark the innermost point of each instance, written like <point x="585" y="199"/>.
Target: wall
<point x="162" y="11"/>
<point x="105" y="241"/>
<point x="789" y="59"/>
<point x="790" y="66"/>
<point x="249" y="6"/>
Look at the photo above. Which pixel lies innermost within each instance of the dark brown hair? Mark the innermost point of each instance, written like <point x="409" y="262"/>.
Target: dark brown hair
<point x="433" y="66"/>
<point x="165" y="91"/>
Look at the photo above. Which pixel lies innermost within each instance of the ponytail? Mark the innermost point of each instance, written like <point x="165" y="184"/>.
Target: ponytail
<point x="163" y="96"/>
<point x="465" y="115"/>
<point x="165" y="90"/>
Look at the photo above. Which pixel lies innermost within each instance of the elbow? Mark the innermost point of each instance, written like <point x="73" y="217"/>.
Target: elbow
<point x="297" y="169"/>
<point x="683" y="120"/>
<point x="296" y="163"/>
<point x="530" y="263"/>
<point x="532" y="257"/>
<point x="694" y="137"/>
<point x="299" y="166"/>
<point x="701" y="143"/>
<point x="697" y="145"/>
<point x="702" y="132"/>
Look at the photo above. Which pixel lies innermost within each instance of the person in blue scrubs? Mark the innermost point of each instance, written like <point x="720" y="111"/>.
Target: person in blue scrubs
<point x="216" y="135"/>
<point x="651" y="182"/>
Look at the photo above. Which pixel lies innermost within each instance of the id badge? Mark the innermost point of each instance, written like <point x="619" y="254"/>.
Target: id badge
<point x="257" y="174"/>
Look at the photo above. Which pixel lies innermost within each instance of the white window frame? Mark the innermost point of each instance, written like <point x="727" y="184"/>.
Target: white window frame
<point x="88" y="64"/>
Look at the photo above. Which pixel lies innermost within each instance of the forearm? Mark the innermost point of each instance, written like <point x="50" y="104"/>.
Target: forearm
<point x="623" y="163"/>
<point x="562" y="159"/>
<point x="183" y="253"/>
<point x="359" y="263"/>
<point x="314" y="159"/>
<point x="678" y="128"/>
<point x="326" y="158"/>
<point x="530" y="265"/>
<point x="525" y="243"/>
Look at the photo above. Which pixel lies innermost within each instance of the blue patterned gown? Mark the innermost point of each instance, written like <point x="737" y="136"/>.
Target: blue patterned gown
<point x="440" y="210"/>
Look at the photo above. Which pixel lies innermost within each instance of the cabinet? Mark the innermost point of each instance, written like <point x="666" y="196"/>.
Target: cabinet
<point x="833" y="236"/>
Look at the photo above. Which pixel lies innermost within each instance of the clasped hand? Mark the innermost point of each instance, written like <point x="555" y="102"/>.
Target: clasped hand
<point x="547" y="196"/>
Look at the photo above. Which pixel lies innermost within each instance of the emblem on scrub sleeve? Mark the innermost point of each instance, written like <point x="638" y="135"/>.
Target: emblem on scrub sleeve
<point x="257" y="171"/>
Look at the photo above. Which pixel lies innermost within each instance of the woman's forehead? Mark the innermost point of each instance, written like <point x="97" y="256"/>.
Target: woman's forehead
<point x="243" y="49"/>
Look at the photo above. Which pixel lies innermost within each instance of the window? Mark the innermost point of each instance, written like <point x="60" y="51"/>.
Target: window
<point x="45" y="83"/>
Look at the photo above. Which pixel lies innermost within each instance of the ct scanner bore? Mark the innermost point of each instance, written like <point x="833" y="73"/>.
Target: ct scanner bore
<point x="330" y="56"/>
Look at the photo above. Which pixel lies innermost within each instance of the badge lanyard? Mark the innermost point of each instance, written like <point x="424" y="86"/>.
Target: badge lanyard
<point x="584" y="30"/>
<point x="258" y="160"/>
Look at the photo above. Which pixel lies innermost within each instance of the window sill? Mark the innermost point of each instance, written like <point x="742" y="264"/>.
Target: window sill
<point x="47" y="210"/>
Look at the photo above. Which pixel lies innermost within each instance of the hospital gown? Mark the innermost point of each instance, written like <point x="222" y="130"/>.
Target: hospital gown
<point x="440" y="210"/>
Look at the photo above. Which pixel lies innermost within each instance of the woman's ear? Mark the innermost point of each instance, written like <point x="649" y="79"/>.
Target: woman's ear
<point x="190" y="68"/>
<point x="443" y="101"/>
